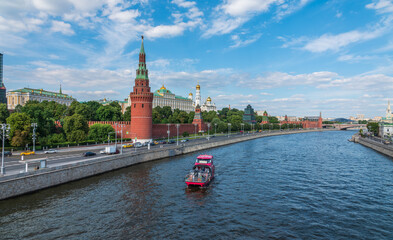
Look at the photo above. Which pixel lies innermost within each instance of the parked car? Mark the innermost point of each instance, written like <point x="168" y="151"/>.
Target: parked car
<point x="50" y="151"/>
<point x="28" y="152"/>
<point x="7" y="153"/>
<point x="171" y="141"/>
<point x="87" y="154"/>
<point x="138" y="144"/>
<point x="102" y="151"/>
<point x="128" y="145"/>
<point x="184" y="140"/>
<point x="155" y="143"/>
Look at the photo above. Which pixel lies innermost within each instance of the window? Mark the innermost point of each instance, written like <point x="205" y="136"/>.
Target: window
<point x="134" y="105"/>
<point x="142" y="105"/>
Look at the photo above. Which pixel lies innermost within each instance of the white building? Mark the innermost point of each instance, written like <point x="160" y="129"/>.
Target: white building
<point x="386" y="130"/>
<point x="22" y="96"/>
<point x="207" y="105"/>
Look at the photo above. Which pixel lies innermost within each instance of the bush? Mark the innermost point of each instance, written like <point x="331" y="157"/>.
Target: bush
<point x="185" y="134"/>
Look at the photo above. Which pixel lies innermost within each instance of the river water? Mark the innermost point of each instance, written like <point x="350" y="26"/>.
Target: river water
<point x="301" y="186"/>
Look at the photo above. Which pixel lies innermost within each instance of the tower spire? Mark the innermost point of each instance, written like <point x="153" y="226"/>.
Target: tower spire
<point x="60" y="89"/>
<point x="142" y="47"/>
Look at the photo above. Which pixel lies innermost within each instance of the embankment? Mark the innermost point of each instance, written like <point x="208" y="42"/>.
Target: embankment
<point x="22" y="183"/>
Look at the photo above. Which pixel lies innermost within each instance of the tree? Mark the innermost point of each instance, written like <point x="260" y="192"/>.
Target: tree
<point x="85" y="111"/>
<point x="99" y="132"/>
<point x="4" y="114"/>
<point x="74" y="125"/>
<point x="109" y="113"/>
<point x="273" y="120"/>
<point x="41" y="115"/>
<point x="127" y="114"/>
<point x="185" y="134"/>
<point x="20" y="124"/>
<point x="373" y="127"/>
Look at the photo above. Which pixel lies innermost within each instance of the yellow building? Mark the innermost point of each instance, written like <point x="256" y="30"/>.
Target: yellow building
<point x="22" y="96"/>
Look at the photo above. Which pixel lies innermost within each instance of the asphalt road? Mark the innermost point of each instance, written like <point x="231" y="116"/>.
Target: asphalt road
<point x="14" y="165"/>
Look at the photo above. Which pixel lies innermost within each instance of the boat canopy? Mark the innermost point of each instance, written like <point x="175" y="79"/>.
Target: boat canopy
<point x="205" y="157"/>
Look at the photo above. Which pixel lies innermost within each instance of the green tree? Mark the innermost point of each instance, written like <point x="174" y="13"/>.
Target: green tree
<point x="373" y="127"/>
<point x="127" y="114"/>
<point x="20" y="124"/>
<point x="4" y="114"/>
<point x="109" y="113"/>
<point x="273" y="120"/>
<point x="74" y="125"/>
<point x="99" y="132"/>
<point x="41" y="115"/>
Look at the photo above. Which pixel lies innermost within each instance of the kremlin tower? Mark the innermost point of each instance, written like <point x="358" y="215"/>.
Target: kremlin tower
<point x="198" y="96"/>
<point x="141" y="102"/>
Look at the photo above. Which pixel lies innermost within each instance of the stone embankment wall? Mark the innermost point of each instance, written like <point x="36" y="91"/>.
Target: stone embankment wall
<point x="14" y="185"/>
<point x="377" y="146"/>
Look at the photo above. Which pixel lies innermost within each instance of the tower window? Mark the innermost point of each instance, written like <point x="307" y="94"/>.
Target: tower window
<point x="142" y="105"/>
<point x="134" y="105"/>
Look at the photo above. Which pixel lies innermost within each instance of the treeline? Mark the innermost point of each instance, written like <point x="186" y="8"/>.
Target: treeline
<point x="57" y="123"/>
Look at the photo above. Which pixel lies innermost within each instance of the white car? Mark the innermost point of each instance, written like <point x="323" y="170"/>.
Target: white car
<point x="103" y="152"/>
<point x="184" y="140"/>
<point x="50" y="151"/>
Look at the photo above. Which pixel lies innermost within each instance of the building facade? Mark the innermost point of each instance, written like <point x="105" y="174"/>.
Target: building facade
<point x="3" y="90"/>
<point x="386" y="130"/>
<point x="22" y="96"/>
<point x="388" y="117"/>
<point x="207" y="105"/>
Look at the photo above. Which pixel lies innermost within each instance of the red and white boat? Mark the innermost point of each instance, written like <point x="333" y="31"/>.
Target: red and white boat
<point x="202" y="173"/>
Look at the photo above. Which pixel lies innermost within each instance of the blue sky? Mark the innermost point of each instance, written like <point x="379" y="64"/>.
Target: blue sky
<point x="294" y="57"/>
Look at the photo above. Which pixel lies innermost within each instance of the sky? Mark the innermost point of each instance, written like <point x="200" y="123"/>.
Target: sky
<point x="288" y="57"/>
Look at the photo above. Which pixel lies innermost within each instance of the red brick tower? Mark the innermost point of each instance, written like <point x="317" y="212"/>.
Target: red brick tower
<point x="141" y="102"/>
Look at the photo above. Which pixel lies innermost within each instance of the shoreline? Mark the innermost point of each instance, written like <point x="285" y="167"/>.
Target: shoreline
<point x="28" y="182"/>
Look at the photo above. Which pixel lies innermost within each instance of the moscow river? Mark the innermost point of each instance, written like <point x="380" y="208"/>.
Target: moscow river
<point x="302" y="186"/>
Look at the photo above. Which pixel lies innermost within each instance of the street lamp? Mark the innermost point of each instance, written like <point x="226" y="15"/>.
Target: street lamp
<point x="121" y="138"/>
<point x="109" y="136"/>
<point x="116" y="135"/>
<point x="168" y="131"/>
<point x="195" y="130"/>
<point x="6" y="129"/>
<point x="215" y="129"/>
<point x="177" y="140"/>
<point x="34" y="125"/>
<point x="208" y="131"/>
<point x="242" y="124"/>
<point x="229" y="128"/>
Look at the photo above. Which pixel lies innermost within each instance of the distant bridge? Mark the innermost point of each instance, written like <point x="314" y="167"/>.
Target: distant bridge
<point x="345" y="126"/>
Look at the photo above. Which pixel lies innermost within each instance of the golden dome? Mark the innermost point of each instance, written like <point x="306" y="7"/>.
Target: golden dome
<point x="198" y="87"/>
<point x="163" y="87"/>
<point x="208" y="99"/>
<point x="190" y="94"/>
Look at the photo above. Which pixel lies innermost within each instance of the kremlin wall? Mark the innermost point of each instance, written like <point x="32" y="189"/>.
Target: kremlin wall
<point x="141" y="125"/>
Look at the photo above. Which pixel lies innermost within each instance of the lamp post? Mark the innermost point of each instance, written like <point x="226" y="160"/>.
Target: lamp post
<point x="116" y="135"/>
<point x="195" y="130"/>
<point x="208" y="131"/>
<point x="168" y="131"/>
<point x="6" y="128"/>
<point x="34" y="125"/>
<point x="177" y="140"/>
<point x="215" y="129"/>
<point x="242" y="124"/>
<point x="109" y="135"/>
<point x="229" y="128"/>
<point x="121" y="138"/>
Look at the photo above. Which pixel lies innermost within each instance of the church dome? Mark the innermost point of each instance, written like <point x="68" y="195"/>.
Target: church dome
<point x="163" y="87"/>
<point x="198" y="87"/>
<point x="190" y="94"/>
<point x="209" y="99"/>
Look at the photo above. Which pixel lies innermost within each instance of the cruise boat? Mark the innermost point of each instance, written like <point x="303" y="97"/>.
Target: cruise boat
<point x="202" y="173"/>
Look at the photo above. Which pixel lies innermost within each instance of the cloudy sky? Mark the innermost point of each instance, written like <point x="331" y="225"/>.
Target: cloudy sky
<point x="294" y="57"/>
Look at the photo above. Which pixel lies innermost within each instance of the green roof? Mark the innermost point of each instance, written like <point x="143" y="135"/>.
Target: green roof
<point x="161" y="91"/>
<point x="42" y="92"/>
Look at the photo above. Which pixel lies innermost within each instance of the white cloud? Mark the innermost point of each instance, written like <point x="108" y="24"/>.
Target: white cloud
<point x="62" y="27"/>
<point x="266" y="94"/>
<point x="241" y="8"/>
<point x="335" y="42"/>
<point x="241" y="43"/>
<point x="382" y="6"/>
<point x="352" y="58"/>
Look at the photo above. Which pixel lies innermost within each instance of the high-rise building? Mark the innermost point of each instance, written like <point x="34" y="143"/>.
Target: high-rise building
<point x="141" y="102"/>
<point x="3" y="91"/>
<point x="249" y="115"/>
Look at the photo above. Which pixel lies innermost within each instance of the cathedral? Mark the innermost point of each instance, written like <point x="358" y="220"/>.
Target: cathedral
<point x="389" y="117"/>
<point x="207" y="105"/>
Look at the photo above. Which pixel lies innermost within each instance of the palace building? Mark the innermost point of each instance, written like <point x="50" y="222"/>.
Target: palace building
<point x="22" y="96"/>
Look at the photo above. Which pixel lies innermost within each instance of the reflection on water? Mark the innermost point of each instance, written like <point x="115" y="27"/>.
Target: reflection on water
<point x="307" y="186"/>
